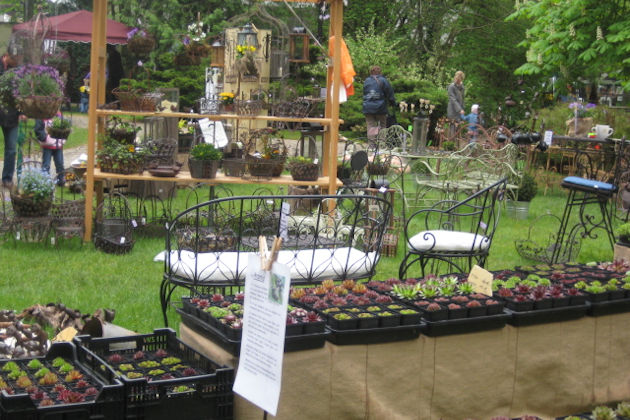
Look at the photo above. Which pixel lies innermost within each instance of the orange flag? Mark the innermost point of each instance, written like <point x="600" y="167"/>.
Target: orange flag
<point x="347" y="69"/>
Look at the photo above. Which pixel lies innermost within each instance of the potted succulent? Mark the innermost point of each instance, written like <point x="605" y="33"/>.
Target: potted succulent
<point x="60" y="128"/>
<point x="527" y="190"/>
<point x="37" y="91"/>
<point x="204" y="160"/>
<point x="33" y="194"/>
<point x="623" y="233"/>
<point x="303" y="168"/>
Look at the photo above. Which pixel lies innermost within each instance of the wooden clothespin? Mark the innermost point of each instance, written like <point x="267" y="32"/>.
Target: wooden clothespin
<point x="267" y="258"/>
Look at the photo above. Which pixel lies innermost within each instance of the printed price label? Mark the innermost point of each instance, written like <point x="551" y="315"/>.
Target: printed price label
<point x="481" y="280"/>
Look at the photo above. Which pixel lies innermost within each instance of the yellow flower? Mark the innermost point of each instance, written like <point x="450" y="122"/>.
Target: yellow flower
<point x="131" y="149"/>
<point x="252" y="48"/>
<point x="82" y="89"/>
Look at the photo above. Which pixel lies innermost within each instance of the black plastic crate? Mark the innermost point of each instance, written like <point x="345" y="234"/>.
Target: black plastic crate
<point x="207" y="395"/>
<point x="107" y="404"/>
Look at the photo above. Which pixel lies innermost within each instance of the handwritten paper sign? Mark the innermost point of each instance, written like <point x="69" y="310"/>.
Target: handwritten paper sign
<point x="259" y="375"/>
<point x="481" y="280"/>
<point x="548" y="137"/>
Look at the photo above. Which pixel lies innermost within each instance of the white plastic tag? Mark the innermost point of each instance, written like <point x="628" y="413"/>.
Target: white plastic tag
<point x="52" y="240"/>
<point x="122" y="239"/>
<point x="143" y="221"/>
<point x="17" y="236"/>
<point x="134" y="223"/>
<point x="382" y="190"/>
<point x="548" y="137"/>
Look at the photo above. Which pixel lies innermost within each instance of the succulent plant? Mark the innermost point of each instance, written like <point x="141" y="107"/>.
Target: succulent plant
<point x="297" y="293"/>
<point x="465" y="288"/>
<point x="35" y="364"/>
<point x="359" y="288"/>
<point x="73" y="375"/>
<point x="623" y="409"/>
<point x="603" y="413"/>
<point x="504" y="292"/>
<point x="433" y="307"/>
<point x="328" y="284"/>
<point x="473" y="304"/>
<point x="23" y="382"/>
<point x="348" y="284"/>
<point x="48" y="379"/>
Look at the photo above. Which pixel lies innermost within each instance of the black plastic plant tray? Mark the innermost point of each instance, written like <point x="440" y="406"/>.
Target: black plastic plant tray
<point x="545" y="316"/>
<point x="608" y="307"/>
<point x="107" y="404"/>
<point x="586" y="416"/>
<point x="205" y="395"/>
<point x="374" y="335"/>
<point x="465" y="325"/>
<point x="291" y="343"/>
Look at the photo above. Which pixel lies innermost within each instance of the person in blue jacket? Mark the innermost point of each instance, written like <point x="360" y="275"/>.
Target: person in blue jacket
<point x="377" y="93"/>
<point x="474" y="122"/>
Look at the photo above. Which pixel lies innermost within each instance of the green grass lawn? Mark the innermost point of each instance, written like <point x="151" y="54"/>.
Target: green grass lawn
<point x="87" y="279"/>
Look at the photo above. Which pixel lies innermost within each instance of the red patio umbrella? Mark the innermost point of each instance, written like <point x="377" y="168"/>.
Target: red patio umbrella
<point x="77" y="27"/>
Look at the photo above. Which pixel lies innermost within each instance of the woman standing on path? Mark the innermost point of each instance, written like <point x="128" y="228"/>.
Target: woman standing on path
<point x="455" y="109"/>
<point x="9" y="119"/>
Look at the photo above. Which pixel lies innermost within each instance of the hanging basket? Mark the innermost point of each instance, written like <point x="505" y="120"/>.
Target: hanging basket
<point x="141" y="45"/>
<point x="58" y="133"/>
<point x="122" y="135"/>
<point x="27" y="207"/>
<point x="39" y="107"/>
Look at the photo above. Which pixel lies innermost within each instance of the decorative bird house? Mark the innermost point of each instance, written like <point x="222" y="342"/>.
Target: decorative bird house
<point x="218" y="54"/>
<point x="298" y="46"/>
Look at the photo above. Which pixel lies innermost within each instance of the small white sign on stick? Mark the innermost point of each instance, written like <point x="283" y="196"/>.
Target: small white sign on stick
<point x="213" y="132"/>
<point x="481" y="280"/>
<point x="548" y="137"/>
<point x="259" y="375"/>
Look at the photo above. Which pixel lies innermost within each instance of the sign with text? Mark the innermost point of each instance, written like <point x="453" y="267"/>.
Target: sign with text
<point x="259" y="375"/>
<point x="213" y="132"/>
<point x="481" y="280"/>
<point x="548" y="137"/>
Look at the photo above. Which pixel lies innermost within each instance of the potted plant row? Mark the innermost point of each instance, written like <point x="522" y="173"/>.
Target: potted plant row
<point x="121" y="158"/>
<point x="225" y="313"/>
<point x="352" y="305"/>
<point x="441" y="298"/>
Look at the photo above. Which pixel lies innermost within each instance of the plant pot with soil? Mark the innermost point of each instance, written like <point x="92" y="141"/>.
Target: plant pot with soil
<point x="204" y="161"/>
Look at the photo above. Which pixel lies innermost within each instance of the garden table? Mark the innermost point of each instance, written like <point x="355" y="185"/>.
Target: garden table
<point x="547" y="370"/>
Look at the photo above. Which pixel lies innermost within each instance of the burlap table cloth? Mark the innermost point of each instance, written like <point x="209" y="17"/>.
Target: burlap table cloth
<point x="547" y="370"/>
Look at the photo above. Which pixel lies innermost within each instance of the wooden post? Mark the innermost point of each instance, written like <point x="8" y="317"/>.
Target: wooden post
<point x="97" y="96"/>
<point x="336" y="29"/>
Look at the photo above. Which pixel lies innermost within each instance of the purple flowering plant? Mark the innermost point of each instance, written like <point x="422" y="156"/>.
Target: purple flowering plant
<point x="135" y="32"/>
<point x="580" y="110"/>
<point x="30" y="80"/>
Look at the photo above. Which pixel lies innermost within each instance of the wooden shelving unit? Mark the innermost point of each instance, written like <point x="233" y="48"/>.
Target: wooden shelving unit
<point x="98" y="116"/>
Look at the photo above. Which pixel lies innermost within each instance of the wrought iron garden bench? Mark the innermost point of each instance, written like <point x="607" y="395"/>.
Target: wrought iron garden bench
<point x="324" y="237"/>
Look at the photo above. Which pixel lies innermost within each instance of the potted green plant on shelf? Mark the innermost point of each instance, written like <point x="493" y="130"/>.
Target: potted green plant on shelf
<point x="204" y="161"/>
<point x="33" y="194"/>
<point x="303" y="168"/>
<point x="527" y="190"/>
<point x="121" y="158"/>
<point x="60" y="128"/>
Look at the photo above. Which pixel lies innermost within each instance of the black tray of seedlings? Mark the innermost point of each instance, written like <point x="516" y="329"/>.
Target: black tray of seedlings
<point x="60" y="385"/>
<point x="545" y="316"/>
<point x="355" y="314"/>
<point x="221" y="317"/>
<point x="458" y="313"/>
<point x="163" y="377"/>
<point x="302" y="341"/>
<point x="605" y="285"/>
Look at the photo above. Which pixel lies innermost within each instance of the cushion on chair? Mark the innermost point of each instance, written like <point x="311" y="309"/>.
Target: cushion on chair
<point x="308" y="264"/>
<point x="588" y="183"/>
<point x="448" y="240"/>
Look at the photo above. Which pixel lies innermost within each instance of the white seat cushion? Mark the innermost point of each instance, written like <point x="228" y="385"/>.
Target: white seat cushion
<point x="448" y="240"/>
<point x="231" y="266"/>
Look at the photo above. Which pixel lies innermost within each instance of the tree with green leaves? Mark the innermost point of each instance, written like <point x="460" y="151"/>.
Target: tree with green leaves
<point x="577" y="38"/>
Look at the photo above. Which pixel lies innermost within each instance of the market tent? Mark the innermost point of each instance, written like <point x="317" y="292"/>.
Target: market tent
<point x="77" y="27"/>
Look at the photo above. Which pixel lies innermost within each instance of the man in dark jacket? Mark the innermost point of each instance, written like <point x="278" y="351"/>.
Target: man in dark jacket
<point x="377" y="93"/>
<point x="455" y="110"/>
<point x="9" y="118"/>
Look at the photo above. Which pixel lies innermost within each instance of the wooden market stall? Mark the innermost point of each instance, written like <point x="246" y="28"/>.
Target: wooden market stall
<point x="97" y="116"/>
